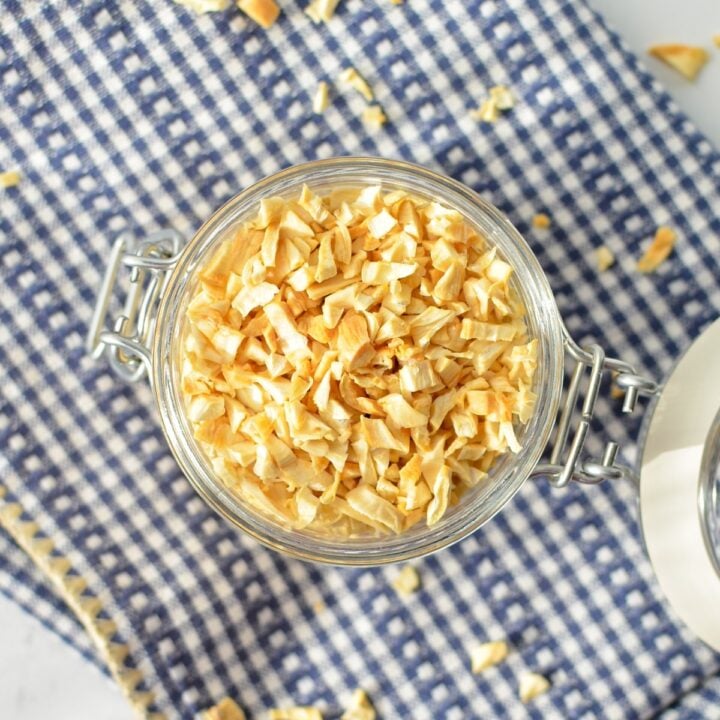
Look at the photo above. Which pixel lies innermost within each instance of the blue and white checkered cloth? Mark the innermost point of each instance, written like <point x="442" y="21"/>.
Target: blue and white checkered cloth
<point x="141" y="115"/>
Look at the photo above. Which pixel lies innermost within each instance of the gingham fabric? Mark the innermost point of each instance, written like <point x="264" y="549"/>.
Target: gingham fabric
<point x="138" y="116"/>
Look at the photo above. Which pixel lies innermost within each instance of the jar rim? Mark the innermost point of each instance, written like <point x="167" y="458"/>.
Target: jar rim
<point x="542" y="317"/>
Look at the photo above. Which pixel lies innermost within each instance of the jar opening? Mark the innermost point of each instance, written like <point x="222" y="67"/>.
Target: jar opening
<point x="478" y="504"/>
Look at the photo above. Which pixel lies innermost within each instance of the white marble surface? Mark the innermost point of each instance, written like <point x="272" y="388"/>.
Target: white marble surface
<point x="694" y="22"/>
<point x="41" y="678"/>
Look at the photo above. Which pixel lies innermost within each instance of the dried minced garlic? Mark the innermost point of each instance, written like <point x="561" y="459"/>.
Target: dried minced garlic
<point x="295" y="713"/>
<point x="541" y="221"/>
<point x="374" y="116"/>
<point x="321" y="10"/>
<point x="686" y="59"/>
<point x="263" y="12"/>
<point x="531" y="686"/>
<point x="226" y="709"/>
<point x="502" y="97"/>
<point x="604" y="258"/>
<point x="488" y="654"/>
<point x="354" y="362"/>
<point x="322" y="98"/>
<point x="360" y="707"/>
<point x="10" y="178"/>
<point x="489" y="111"/>
<point x="203" y="6"/>
<point x="407" y="581"/>
<point x="350" y="76"/>
<point x="658" y="251"/>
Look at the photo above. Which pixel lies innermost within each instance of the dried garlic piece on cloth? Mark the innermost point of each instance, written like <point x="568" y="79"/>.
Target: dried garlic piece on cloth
<point x="374" y="117"/>
<point x="658" y="251"/>
<point x="541" y="221"/>
<point x="263" y="12"/>
<point x="360" y="707"/>
<point x="531" y="686"/>
<point x="10" y="178"/>
<point x="489" y="111"/>
<point x="226" y="709"/>
<point x="295" y="713"/>
<point x="350" y="76"/>
<point x="604" y="258"/>
<point x="407" y="581"/>
<point x="502" y="97"/>
<point x="686" y="59"/>
<point x="204" y="6"/>
<point x="488" y="654"/>
<point x="321" y="101"/>
<point x="321" y="10"/>
<point x="354" y="362"/>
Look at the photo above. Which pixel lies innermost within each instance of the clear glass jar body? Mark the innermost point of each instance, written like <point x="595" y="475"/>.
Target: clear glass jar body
<point x="479" y="504"/>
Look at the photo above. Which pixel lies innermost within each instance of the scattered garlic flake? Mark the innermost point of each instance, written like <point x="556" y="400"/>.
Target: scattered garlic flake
<point x="263" y="12"/>
<point x="10" y="178"/>
<point x="488" y="654"/>
<point x="407" y="581"/>
<point x="321" y="10"/>
<point x="322" y="98"/>
<point x="350" y="76"/>
<point x="226" y="709"/>
<point x="686" y="59"/>
<point x="359" y="708"/>
<point x="541" y="221"/>
<point x="397" y="2"/>
<point x="354" y="362"/>
<point x="204" y="6"/>
<point x="532" y="685"/>
<point x="716" y="40"/>
<point x="604" y="258"/>
<point x="489" y="111"/>
<point x="295" y="713"/>
<point x="502" y="97"/>
<point x="374" y="116"/>
<point x="658" y="251"/>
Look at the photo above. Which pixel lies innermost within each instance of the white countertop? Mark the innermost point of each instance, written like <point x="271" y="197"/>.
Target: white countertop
<point x="40" y="676"/>
<point x="694" y="22"/>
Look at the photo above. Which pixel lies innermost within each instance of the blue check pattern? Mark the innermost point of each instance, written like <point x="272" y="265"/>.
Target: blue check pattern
<point x="141" y="115"/>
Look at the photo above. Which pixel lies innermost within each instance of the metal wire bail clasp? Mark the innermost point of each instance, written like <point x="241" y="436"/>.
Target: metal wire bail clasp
<point x="149" y="262"/>
<point x="561" y="471"/>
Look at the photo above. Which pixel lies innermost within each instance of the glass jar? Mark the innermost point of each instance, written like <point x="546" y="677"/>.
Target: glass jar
<point x="147" y="339"/>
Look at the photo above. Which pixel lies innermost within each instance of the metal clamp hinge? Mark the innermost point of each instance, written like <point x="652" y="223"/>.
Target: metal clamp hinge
<point x="127" y="343"/>
<point x="590" y="471"/>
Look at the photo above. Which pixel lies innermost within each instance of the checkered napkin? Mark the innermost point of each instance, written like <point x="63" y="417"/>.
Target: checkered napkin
<point x="138" y="116"/>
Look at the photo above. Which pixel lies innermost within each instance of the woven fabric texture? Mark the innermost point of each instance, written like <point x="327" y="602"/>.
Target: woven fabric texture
<point x="142" y="115"/>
